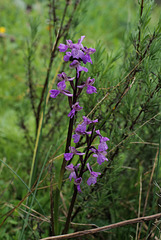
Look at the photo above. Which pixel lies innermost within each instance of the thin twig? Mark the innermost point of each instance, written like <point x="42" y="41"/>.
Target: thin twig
<point x="50" y="65"/>
<point x="139" y="27"/>
<point x="50" y="25"/>
<point x="100" y="229"/>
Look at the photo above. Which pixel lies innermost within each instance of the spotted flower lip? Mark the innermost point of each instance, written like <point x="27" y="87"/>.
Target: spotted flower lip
<point x="61" y="89"/>
<point x="75" y="108"/>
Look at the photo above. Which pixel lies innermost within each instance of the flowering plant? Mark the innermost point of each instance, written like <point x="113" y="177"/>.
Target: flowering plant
<point x="77" y="55"/>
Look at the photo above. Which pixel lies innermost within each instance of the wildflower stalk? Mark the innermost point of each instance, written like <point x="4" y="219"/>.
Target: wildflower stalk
<point x="68" y="143"/>
<point x="77" y="55"/>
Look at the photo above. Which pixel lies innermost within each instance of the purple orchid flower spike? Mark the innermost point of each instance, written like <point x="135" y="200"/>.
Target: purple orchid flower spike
<point x="73" y="169"/>
<point x="75" y="108"/>
<point x="77" y="182"/>
<point x="88" y="84"/>
<point x="61" y="89"/>
<point x="73" y="151"/>
<point x="100" y="154"/>
<point x="93" y="175"/>
<point x="63" y="76"/>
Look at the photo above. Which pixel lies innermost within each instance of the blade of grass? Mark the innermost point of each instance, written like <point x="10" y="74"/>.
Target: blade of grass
<point x="22" y="182"/>
<point x="38" y="138"/>
<point x="34" y="194"/>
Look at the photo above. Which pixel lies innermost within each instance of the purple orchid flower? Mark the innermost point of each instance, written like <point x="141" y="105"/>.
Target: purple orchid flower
<point x="63" y="76"/>
<point x="93" y="175"/>
<point x="87" y="121"/>
<point x="71" y="45"/>
<point x="62" y="47"/>
<point x="61" y="89"/>
<point x="100" y="153"/>
<point x="73" y="151"/>
<point x="88" y="84"/>
<point x="76" y="64"/>
<point x="103" y="140"/>
<point x="73" y="169"/>
<point x="81" y="129"/>
<point x="77" y="182"/>
<point x="75" y="108"/>
<point x="67" y="56"/>
<point x="88" y="52"/>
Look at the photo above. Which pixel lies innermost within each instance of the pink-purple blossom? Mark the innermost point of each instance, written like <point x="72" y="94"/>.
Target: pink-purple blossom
<point x="75" y="108"/>
<point x="73" y="151"/>
<point x="62" y="47"/>
<point x="89" y="82"/>
<point x="76" y="64"/>
<point x="93" y="175"/>
<point x="102" y="139"/>
<point x="73" y="169"/>
<point x="81" y="129"/>
<point x="61" y="89"/>
<point x="78" y="51"/>
<point x="100" y="153"/>
<point x="63" y="76"/>
<point x="77" y="182"/>
<point x="87" y="121"/>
